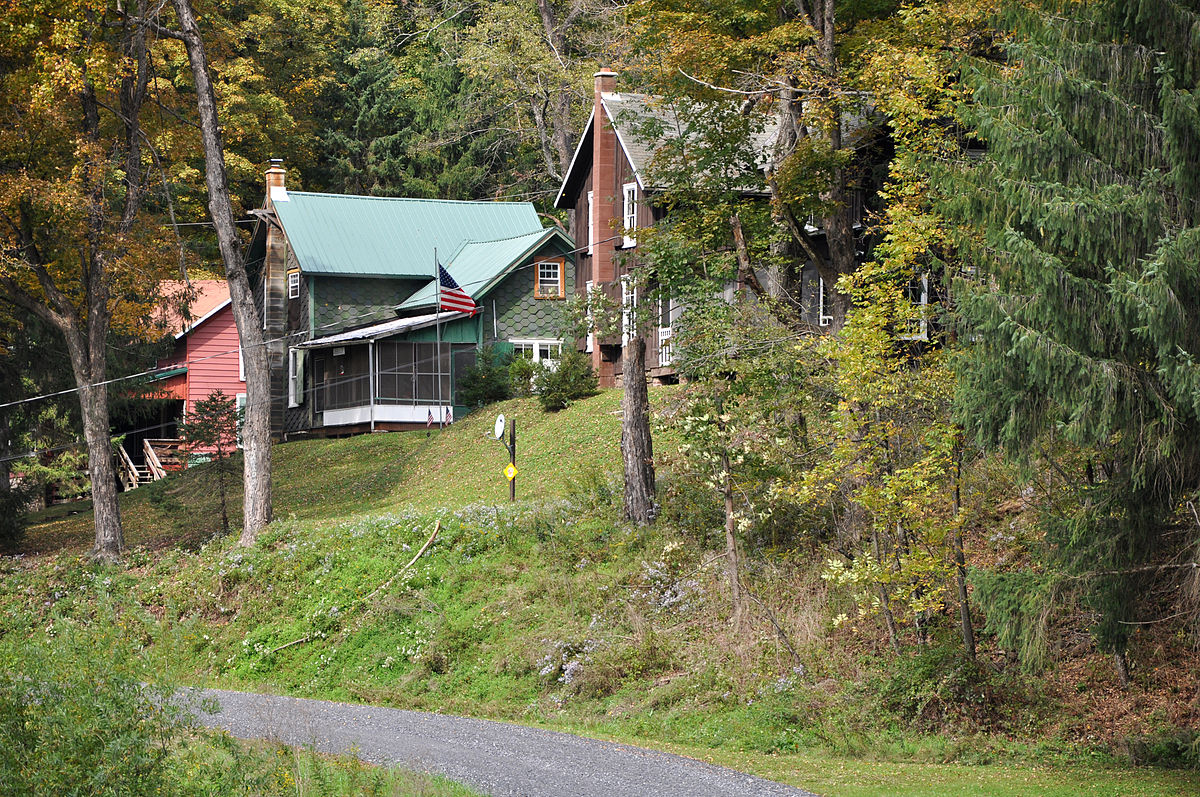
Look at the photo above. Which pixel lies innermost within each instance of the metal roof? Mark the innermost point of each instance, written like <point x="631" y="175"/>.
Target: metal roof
<point x="628" y="112"/>
<point x="383" y="330"/>
<point x="478" y="265"/>
<point x="390" y="236"/>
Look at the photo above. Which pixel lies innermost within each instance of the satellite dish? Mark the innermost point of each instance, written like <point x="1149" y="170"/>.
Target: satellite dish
<point x="499" y="430"/>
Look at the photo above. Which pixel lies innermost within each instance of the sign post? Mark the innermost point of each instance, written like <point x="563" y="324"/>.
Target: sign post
<point x="511" y="471"/>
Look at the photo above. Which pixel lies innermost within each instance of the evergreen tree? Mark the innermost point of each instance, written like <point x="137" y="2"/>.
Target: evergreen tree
<point x="1083" y="219"/>
<point x="211" y="431"/>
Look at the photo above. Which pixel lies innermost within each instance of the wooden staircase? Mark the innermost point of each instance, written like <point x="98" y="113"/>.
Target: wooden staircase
<point x="162" y="456"/>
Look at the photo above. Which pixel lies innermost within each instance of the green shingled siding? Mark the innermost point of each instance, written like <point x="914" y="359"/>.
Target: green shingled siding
<point x="346" y="302"/>
<point x="517" y="314"/>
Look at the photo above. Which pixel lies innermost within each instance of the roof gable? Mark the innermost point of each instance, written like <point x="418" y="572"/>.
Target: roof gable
<point x="478" y="266"/>
<point x="387" y="236"/>
<point x="207" y="298"/>
<point x="627" y="113"/>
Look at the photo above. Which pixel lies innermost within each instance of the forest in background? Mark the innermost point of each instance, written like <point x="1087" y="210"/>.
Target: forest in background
<point x="1019" y="486"/>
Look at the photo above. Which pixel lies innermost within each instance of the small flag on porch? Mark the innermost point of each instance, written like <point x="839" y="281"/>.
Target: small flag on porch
<point x="429" y="420"/>
<point x="449" y="415"/>
<point x="452" y="297"/>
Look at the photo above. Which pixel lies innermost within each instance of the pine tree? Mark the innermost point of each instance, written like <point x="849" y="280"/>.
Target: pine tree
<point x="1083" y="221"/>
<point x="211" y="431"/>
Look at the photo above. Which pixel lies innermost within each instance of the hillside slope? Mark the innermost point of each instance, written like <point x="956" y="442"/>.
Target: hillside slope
<point x="548" y="611"/>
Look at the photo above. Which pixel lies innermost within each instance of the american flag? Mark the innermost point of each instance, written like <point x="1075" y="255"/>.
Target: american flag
<point x="452" y="297"/>
<point x="429" y="420"/>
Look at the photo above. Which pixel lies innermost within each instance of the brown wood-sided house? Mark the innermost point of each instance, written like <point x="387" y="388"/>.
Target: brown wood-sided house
<point x="348" y="296"/>
<point x="607" y="190"/>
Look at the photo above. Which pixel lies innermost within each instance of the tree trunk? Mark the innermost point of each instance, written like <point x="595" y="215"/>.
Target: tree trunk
<point x="256" y="429"/>
<point x="636" y="446"/>
<point x="1121" y="662"/>
<point x="733" y="565"/>
<point x="88" y="367"/>
<point x="960" y="560"/>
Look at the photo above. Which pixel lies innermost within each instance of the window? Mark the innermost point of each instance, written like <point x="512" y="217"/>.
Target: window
<point x="590" y="344"/>
<point x="241" y="410"/>
<point x="591" y="222"/>
<point x="241" y="365"/>
<point x="629" y="213"/>
<point x="918" y="326"/>
<point x="824" y="310"/>
<point x="550" y="282"/>
<point x="295" y="377"/>
<point x="293" y="284"/>
<point x="628" y="305"/>
<point x="539" y="351"/>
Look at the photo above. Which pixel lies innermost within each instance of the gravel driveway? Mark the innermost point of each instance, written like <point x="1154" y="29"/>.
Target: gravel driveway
<point x="492" y="757"/>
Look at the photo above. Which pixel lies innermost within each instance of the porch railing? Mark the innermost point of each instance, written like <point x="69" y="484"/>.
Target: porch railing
<point x="664" y="347"/>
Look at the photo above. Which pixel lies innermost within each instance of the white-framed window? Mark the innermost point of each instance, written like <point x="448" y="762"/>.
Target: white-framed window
<point x="591" y="222"/>
<point x="240" y="404"/>
<point x="824" y="309"/>
<point x="293" y="278"/>
<point x="551" y="282"/>
<point x="918" y="294"/>
<point x="295" y="377"/>
<point x="629" y="213"/>
<point x="241" y="365"/>
<point x="545" y="351"/>
<point x="590" y="342"/>
<point x="629" y="303"/>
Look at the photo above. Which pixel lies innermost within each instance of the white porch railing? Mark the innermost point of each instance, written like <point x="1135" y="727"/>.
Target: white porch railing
<point x="664" y="347"/>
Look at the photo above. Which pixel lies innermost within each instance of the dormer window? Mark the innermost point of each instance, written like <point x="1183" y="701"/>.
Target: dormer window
<point x="551" y="281"/>
<point x="629" y="213"/>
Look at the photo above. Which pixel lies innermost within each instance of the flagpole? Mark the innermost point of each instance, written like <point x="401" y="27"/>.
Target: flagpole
<point x="437" y="325"/>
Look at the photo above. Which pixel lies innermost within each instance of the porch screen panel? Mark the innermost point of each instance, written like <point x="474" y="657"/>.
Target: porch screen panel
<point x="427" y="370"/>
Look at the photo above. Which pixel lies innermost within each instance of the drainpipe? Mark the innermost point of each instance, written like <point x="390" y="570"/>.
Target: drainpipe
<point x="371" y="378"/>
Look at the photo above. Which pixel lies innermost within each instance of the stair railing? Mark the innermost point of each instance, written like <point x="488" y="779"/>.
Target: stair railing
<point x="156" y="469"/>
<point x="128" y="471"/>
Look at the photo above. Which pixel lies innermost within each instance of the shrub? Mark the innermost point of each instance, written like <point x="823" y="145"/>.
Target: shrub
<point x="77" y="719"/>
<point x="486" y="381"/>
<point x="1174" y="748"/>
<point x="573" y="379"/>
<point x="521" y="372"/>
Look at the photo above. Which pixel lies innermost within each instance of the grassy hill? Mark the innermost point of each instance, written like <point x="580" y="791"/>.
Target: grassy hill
<point x="548" y="611"/>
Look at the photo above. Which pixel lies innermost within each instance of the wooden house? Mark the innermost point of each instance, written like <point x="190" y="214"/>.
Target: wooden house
<point x="205" y="357"/>
<point x="609" y="193"/>
<point x="347" y="290"/>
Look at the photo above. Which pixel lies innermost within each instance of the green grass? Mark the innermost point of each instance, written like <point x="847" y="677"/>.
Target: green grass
<point x="548" y="612"/>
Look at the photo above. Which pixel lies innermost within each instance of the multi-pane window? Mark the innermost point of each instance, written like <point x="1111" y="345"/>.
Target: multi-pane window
<point x="539" y="351"/>
<point x="591" y="222"/>
<point x="629" y="213"/>
<point x="549" y="279"/>
<point x="293" y="284"/>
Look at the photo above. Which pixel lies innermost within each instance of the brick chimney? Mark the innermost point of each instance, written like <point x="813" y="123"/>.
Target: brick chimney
<point x="605" y="191"/>
<point x="276" y="192"/>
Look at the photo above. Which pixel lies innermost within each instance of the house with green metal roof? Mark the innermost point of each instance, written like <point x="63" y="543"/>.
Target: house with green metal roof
<point x="348" y="296"/>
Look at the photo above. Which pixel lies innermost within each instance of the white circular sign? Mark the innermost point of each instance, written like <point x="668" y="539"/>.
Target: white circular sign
<point x="499" y="426"/>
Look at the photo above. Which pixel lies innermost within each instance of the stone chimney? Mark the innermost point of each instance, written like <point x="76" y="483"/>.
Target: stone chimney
<point x="276" y="192"/>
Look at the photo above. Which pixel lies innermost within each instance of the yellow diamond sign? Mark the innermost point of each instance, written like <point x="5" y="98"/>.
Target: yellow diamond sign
<point x="510" y="472"/>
